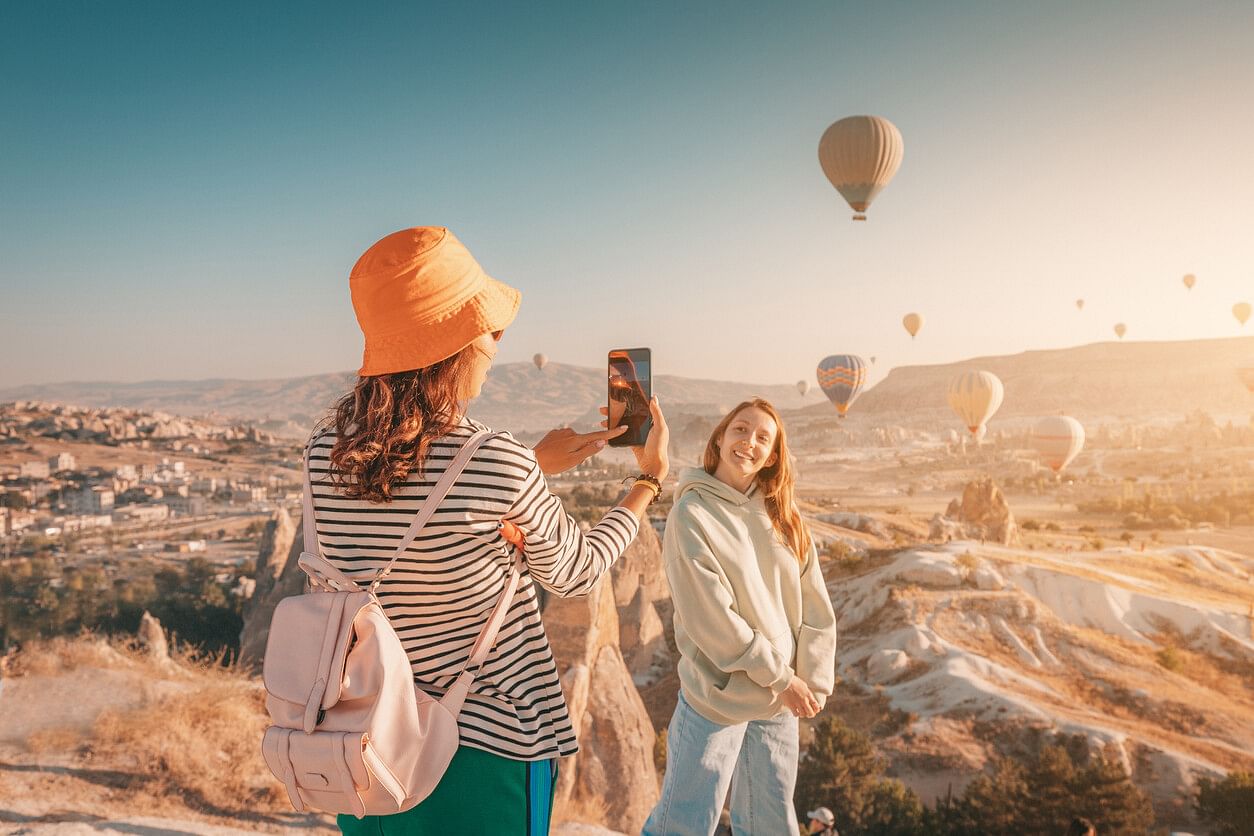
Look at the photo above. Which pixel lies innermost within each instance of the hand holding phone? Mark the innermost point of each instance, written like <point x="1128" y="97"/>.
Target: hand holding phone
<point x="630" y="390"/>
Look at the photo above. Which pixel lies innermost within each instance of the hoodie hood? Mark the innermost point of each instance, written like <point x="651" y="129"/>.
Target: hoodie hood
<point x="696" y="479"/>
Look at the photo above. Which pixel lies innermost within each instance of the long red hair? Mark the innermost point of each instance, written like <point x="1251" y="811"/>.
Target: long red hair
<point x="777" y="481"/>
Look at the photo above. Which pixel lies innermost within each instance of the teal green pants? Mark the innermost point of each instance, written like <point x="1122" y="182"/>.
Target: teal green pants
<point x="480" y="793"/>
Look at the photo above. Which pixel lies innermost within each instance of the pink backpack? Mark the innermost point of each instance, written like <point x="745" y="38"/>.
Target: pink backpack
<point x="351" y="732"/>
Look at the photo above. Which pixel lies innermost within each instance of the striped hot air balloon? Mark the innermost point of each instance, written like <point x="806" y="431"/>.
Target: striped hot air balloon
<point x="1058" y="439"/>
<point x="859" y="155"/>
<point x="975" y="396"/>
<point x="841" y="377"/>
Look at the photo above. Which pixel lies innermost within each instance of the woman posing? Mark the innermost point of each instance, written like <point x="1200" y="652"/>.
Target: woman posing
<point x="432" y="320"/>
<point x="755" y="630"/>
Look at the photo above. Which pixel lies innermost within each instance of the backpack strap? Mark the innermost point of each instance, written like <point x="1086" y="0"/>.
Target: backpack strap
<point x="433" y="500"/>
<point x="456" y="694"/>
<point x="428" y="508"/>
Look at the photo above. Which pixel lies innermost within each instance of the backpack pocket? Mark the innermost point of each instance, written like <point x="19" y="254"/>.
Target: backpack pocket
<point x="308" y="627"/>
<point x="334" y="771"/>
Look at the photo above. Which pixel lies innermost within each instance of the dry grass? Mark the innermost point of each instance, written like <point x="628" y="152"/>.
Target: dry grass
<point x="581" y="810"/>
<point x="196" y="739"/>
<point x="203" y="746"/>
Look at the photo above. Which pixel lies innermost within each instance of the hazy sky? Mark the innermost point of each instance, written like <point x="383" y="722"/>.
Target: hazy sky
<point x="184" y="187"/>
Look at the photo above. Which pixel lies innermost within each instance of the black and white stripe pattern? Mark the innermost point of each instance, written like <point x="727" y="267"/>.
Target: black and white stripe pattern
<point x="441" y="592"/>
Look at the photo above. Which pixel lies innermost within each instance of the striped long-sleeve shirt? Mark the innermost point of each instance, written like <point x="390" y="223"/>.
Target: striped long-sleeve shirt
<point x="440" y="593"/>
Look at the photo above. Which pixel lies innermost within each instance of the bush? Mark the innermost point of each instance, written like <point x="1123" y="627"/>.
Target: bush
<point x="1228" y="804"/>
<point x="1031" y="525"/>
<point x="1039" y="794"/>
<point x="1170" y="658"/>
<point x="842" y="770"/>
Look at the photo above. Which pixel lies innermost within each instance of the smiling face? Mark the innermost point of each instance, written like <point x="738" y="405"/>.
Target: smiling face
<point x="746" y="446"/>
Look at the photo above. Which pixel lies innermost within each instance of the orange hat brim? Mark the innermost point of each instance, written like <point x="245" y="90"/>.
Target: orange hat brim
<point x="491" y="309"/>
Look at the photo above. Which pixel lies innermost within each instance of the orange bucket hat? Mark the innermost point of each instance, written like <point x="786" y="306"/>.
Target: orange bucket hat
<point x="421" y="297"/>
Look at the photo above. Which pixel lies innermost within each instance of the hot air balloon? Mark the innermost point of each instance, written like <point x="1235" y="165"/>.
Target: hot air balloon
<point x="1058" y="439"/>
<point x="1079" y="304"/>
<point x="1241" y="310"/>
<point x="860" y="155"/>
<point x="912" y="322"/>
<point x="541" y="361"/>
<point x="803" y="386"/>
<point x="872" y="359"/>
<point x="1189" y="280"/>
<point x="1120" y="330"/>
<point x="975" y="396"/>
<point x="841" y="378"/>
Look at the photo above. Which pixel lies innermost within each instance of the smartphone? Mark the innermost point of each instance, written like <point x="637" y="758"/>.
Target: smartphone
<point x="630" y="390"/>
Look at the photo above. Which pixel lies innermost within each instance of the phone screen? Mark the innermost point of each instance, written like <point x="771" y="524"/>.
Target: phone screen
<point x="630" y="389"/>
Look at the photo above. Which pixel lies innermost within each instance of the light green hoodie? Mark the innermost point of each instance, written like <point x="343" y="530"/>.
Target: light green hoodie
<point x="747" y="615"/>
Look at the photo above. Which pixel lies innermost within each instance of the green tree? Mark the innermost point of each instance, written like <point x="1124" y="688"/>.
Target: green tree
<point x="1228" y="804"/>
<point x="842" y="770"/>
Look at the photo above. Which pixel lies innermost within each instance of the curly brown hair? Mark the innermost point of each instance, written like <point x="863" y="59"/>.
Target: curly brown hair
<point x="384" y="427"/>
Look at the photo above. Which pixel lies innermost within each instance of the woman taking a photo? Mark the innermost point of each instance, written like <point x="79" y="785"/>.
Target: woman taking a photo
<point x="432" y="319"/>
<point x="755" y="630"/>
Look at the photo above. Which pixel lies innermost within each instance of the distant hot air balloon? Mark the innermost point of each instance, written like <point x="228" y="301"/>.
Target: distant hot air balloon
<point x="912" y="322"/>
<point x="1247" y="377"/>
<point x="860" y="155"/>
<point x="1120" y="330"/>
<point x="872" y="359"/>
<point x="841" y="378"/>
<point x="1058" y="439"/>
<point x="1241" y="310"/>
<point x="1079" y="304"/>
<point x="975" y="396"/>
<point x="1189" y="280"/>
<point x="541" y="361"/>
<point x="803" y="386"/>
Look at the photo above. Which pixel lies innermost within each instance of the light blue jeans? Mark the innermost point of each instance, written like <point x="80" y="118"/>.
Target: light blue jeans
<point x="758" y="759"/>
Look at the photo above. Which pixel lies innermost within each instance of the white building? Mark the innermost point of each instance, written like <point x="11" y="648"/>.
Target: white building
<point x="141" y="513"/>
<point x="126" y="472"/>
<point x="35" y="470"/>
<point x="62" y="461"/>
<point x="96" y="499"/>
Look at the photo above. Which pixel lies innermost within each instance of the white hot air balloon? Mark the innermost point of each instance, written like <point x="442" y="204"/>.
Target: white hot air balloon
<point x="974" y="397"/>
<point x="803" y="386"/>
<point x="860" y="155"/>
<point x="541" y="361"/>
<point x="1058" y="439"/>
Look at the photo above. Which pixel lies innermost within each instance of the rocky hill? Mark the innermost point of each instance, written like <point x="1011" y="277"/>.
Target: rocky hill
<point x="516" y="396"/>
<point x="1135" y="380"/>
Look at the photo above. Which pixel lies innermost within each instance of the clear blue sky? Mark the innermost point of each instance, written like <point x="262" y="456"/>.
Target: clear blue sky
<point x="184" y="187"/>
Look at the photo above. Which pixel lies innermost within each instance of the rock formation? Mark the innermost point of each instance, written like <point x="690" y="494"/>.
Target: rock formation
<point x="278" y="576"/>
<point x="639" y="584"/>
<point x="615" y="762"/>
<point x="981" y="513"/>
<point x="152" y="638"/>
